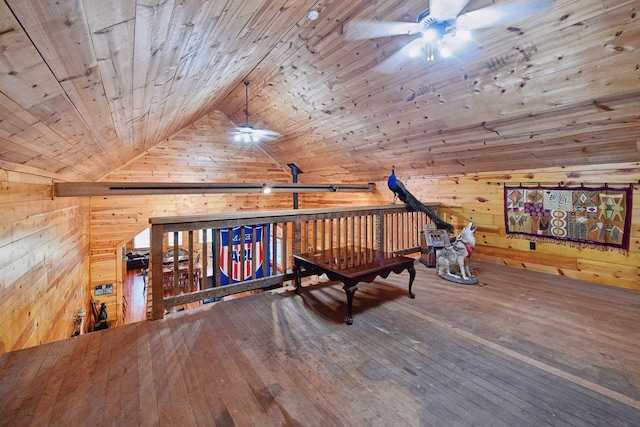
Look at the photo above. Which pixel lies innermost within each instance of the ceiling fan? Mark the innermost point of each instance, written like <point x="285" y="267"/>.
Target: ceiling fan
<point x="441" y="29"/>
<point x="247" y="133"/>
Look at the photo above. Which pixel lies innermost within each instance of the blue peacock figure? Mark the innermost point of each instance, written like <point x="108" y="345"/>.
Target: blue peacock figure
<point x="400" y="192"/>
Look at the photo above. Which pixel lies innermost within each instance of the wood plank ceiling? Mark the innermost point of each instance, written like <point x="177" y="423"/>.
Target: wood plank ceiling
<point x="87" y="85"/>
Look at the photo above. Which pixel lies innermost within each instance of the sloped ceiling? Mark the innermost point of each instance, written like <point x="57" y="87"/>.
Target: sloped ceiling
<point x="86" y="86"/>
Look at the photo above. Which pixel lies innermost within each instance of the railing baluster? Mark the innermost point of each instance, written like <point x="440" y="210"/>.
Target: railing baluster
<point x="242" y="246"/>
<point x="216" y="255"/>
<point x="190" y="276"/>
<point x="285" y="241"/>
<point x="254" y="250"/>
<point x="176" y="263"/>
<point x="229" y="255"/>
<point x="274" y="247"/>
<point x="157" y="294"/>
<point x="203" y="261"/>
<point x="331" y="233"/>
<point x="315" y="235"/>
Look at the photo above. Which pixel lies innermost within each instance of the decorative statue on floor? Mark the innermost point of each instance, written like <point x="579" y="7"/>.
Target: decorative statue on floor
<point x="78" y="322"/>
<point x="452" y="261"/>
<point x="101" y="319"/>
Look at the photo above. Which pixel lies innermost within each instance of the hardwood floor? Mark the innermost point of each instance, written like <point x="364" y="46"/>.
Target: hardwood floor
<point x="526" y="349"/>
<point x="136" y="297"/>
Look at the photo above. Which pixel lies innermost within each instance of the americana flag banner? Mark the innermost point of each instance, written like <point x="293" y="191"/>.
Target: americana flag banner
<point x="251" y="249"/>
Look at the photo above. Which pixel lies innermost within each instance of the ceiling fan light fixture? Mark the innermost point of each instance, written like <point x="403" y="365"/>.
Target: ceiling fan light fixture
<point x="435" y="36"/>
<point x="246" y="138"/>
<point x="430" y="35"/>
<point x="245" y="133"/>
<point x="445" y="51"/>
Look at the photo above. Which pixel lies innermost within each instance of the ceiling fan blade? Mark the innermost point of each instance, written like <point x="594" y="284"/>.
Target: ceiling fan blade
<point x="361" y="30"/>
<point x="499" y="14"/>
<point x="394" y="62"/>
<point x="265" y="135"/>
<point x="443" y="10"/>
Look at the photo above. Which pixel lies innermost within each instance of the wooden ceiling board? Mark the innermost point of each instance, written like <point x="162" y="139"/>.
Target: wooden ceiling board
<point x="25" y="77"/>
<point x="62" y="37"/>
<point x="90" y="85"/>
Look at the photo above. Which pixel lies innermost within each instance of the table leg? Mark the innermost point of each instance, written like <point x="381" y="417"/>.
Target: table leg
<point x="296" y="273"/>
<point x="412" y="275"/>
<point x="350" y="290"/>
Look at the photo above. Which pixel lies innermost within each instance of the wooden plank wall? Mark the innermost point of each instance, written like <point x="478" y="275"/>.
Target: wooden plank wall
<point x="44" y="267"/>
<point x="202" y="152"/>
<point x="470" y="198"/>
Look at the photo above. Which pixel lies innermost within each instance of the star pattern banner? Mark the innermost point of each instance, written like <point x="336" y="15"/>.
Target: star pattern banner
<point x="599" y="217"/>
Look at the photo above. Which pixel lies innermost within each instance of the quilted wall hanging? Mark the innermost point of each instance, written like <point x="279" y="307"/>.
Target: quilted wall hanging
<point x="582" y="216"/>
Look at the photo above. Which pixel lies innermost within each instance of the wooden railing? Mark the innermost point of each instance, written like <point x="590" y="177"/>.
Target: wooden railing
<point x="274" y="237"/>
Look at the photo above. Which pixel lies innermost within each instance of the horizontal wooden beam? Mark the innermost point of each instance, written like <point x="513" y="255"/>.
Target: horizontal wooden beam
<point x="77" y="189"/>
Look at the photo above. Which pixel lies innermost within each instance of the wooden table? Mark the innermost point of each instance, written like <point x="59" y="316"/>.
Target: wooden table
<point x="350" y="266"/>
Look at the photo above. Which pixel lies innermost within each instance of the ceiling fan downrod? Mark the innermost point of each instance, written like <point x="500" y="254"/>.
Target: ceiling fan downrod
<point x="246" y="102"/>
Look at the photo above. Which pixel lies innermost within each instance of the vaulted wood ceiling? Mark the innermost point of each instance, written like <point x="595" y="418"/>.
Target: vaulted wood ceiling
<point x="87" y="85"/>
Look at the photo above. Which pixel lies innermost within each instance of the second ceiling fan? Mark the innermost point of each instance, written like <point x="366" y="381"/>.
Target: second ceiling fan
<point x="247" y="133"/>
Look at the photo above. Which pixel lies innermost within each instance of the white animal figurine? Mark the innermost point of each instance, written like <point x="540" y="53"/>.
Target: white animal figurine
<point x="452" y="261"/>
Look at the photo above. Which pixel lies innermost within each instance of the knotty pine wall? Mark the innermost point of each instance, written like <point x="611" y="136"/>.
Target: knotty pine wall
<point x="44" y="267"/>
<point x="470" y="198"/>
<point x="202" y="152"/>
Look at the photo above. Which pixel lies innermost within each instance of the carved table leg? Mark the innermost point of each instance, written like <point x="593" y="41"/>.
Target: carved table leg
<point x="296" y="273"/>
<point x="350" y="291"/>
<point x="412" y="275"/>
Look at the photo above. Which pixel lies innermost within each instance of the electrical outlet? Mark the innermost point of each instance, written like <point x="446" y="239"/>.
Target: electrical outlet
<point x="532" y="246"/>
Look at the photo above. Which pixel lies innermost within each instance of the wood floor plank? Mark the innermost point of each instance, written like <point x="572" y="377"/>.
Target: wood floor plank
<point x="175" y="357"/>
<point x="162" y="376"/>
<point x="333" y="380"/>
<point x="360" y="371"/>
<point x="403" y="345"/>
<point x="474" y="365"/>
<point x="285" y="350"/>
<point x="62" y="361"/>
<point x="231" y="385"/>
<point x="529" y="381"/>
<point x="280" y="380"/>
<point x="268" y="413"/>
<point x="18" y="383"/>
<point x="613" y="364"/>
<point x="196" y="373"/>
<point x="125" y="398"/>
<point x="148" y="408"/>
<point x="79" y="382"/>
<point x="434" y="401"/>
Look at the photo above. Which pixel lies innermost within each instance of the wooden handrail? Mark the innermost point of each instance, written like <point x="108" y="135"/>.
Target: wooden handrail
<point x="387" y="228"/>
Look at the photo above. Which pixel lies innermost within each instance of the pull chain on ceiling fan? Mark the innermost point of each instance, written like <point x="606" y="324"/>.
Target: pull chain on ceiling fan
<point x="247" y="133"/>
